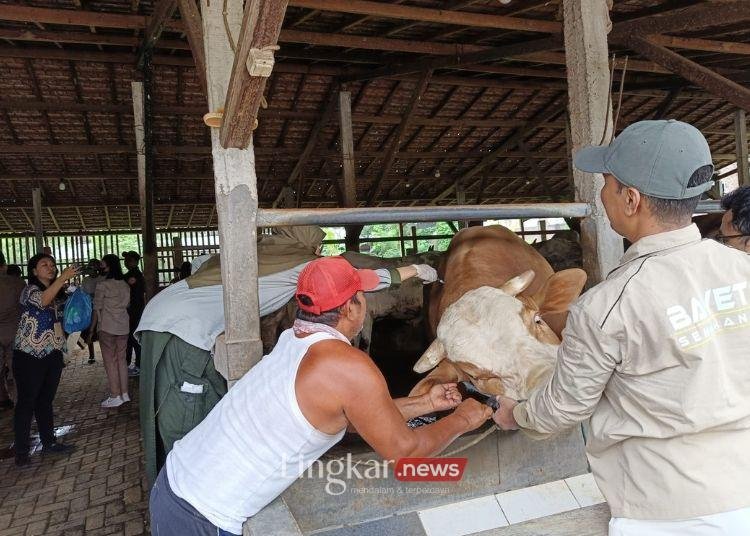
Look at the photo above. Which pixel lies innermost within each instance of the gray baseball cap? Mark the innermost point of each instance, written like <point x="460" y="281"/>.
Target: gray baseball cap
<point x="657" y="158"/>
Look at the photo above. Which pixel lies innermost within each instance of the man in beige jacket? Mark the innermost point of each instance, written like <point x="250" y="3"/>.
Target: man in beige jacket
<point x="658" y="355"/>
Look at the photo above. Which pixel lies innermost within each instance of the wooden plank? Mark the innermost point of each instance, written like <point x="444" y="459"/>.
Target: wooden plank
<point x="261" y="24"/>
<point x="740" y="125"/>
<point x="709" y="80"/>
<point x="191" y="19"/>
<point x="440" y="16"/>
<point x="590" y="113"/>
<point x="392" y="152"/>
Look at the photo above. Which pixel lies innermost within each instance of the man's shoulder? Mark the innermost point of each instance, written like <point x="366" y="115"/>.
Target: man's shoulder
<point x="339" y="356"/>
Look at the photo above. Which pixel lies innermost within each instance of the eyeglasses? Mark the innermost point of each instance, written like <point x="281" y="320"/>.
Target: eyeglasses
<point x="724" y="238"/>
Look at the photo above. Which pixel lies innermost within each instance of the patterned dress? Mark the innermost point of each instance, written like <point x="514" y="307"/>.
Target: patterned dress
<point x="36" y="330"/>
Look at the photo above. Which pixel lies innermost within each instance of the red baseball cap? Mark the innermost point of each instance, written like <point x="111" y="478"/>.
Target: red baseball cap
<point x="330" y="281"/>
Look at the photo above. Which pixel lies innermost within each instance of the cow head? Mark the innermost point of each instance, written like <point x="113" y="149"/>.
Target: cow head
<point x="494" y="334"/>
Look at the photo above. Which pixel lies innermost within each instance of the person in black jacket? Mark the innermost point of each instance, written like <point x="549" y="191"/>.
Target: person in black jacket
<point x="134" y="278"/>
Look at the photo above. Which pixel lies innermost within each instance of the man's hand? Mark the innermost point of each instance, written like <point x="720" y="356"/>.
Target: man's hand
<point x="444" y="396"/>
<point x="473" y="412"/>
<point x="426" y="273"/>
<point x="504" y="414"/>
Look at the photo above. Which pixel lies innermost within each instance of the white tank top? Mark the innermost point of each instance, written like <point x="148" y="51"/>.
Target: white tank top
<point x="253" y="444"/>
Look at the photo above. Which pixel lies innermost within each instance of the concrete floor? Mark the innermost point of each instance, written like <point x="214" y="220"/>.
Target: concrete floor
<point x="98" y="489"/>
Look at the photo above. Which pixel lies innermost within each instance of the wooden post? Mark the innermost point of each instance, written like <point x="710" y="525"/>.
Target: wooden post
<point x="585" y="27"/>
<point x="145" y="181"/>
<point x="347" y="149"/>
<point x="38" y="228"/>
<point x="349" y="187"/>
<point x="461" y="200"/>
<point x="177" y="257"/>
<point x="740" y="136"/>
<point x="401" y="238"/>
<point x="236" y="202"/>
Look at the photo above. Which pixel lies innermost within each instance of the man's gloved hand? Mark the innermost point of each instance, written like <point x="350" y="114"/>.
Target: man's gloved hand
<point x="426" y="273"/>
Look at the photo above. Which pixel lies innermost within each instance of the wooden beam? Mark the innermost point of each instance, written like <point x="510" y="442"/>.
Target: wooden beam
<point x="7" y="223"/>
<point x="740" y="125"/>
<point x="83" y="223"/>
<point x="391" y="153"/>
<point x="664" y="106"/>
<point x="439" y="16"/>
<point x="191" y="19"/>
<point x="261" y="24"/>
<point x="707" y="45"/>
<point x="709" y="80"/>
<point x="72" y="17"/>
<point x="162" y="12"/>
<point x="516" y="50"/>
<point x="590" y="113"/>
<point x="690" y="18"/>
<point x="54" y="220"/>
<point x="550" y="111"/>
<point x="312" y="140"/>
<point x="43" y="36"/>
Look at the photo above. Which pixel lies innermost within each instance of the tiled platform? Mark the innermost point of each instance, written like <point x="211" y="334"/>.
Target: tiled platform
<point x="97" y="489"/>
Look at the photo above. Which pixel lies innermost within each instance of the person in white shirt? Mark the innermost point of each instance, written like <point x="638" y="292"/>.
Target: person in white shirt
<point x="180" y="325"/>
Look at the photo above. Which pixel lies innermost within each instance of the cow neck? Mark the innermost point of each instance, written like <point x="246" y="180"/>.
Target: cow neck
<point x="303" y="327"/>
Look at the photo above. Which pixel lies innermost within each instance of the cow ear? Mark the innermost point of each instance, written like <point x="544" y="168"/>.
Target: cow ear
<point x="518" y="284"/>
<point x="558" y="293"/>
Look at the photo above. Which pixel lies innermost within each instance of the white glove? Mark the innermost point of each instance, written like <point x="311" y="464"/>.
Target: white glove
<point x="426" y="273"/>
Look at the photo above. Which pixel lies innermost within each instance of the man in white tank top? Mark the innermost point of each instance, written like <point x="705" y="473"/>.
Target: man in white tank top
<point x="292" y="407"/>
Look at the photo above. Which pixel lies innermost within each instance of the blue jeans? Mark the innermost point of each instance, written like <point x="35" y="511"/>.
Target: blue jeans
<point x="173" y="516"/>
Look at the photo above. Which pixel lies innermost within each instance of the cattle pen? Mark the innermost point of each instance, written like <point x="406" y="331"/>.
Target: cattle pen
<point x="181" y="127"/>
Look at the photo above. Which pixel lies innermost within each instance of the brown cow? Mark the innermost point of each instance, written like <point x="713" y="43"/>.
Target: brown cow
<point x="499" y="315"/>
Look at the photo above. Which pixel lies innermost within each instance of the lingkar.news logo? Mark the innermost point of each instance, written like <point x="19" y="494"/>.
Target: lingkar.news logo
<point x="339" y="472"/>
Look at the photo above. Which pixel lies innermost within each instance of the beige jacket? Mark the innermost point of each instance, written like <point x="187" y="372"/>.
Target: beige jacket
<point x="111" y="300"/>
<point x="658" y="356"/>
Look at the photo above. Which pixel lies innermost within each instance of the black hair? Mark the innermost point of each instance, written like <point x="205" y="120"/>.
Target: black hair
<point x="677" y="210"/>
<point x="14" y="270"/>
<point x="31" y="266"/>
<point x="2" y="259"/>
<point x="185" y="270"/>
<point x="738" y="201"/>
<point x="329" y="318"/>
<point x="113" y="263"/>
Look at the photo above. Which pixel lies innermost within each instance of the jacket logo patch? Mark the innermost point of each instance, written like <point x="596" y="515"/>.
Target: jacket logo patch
<point x="718" y="309"/>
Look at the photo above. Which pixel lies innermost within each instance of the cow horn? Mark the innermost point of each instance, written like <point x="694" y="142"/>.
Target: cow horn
<point x="431" y="357"/>
<point x="519" y="283"/>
